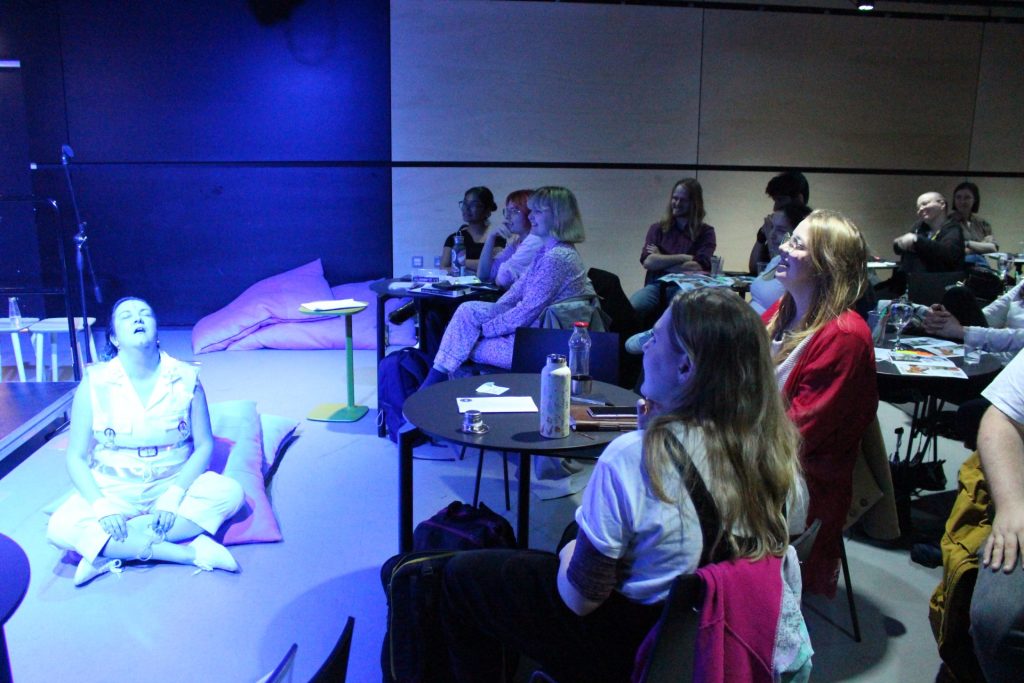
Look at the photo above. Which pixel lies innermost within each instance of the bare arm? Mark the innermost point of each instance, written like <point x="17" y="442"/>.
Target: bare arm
<point x="202" y="441"/>
<point x="1001" y="446"/>
<point x="446" y="257"/>
<point x="80" y="444"/>
<point x="572" y="598"/>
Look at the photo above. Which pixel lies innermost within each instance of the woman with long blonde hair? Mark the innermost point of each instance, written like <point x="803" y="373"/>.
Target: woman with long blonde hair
<point x="825" y="368"/>
<point x="717" y="446"/>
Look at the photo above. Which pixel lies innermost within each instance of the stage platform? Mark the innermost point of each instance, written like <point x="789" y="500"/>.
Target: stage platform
<point x="27" y="407"/>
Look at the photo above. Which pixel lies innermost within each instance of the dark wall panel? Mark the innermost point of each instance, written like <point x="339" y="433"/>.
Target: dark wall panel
<point x="190" y="239"/>
<point x="211" y="149"/>
<point x="197" y="81"/>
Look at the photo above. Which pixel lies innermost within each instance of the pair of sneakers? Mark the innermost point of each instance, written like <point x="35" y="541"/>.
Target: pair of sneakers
<point x="210" y="555"/>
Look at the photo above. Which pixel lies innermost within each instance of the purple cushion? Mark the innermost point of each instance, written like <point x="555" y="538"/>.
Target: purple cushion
<point x="238" y="453"/>
<point x="328" y="332"/>
<point x="273" y="300"/>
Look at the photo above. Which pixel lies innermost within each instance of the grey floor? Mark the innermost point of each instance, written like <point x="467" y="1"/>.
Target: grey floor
<point x="336" y="499"/>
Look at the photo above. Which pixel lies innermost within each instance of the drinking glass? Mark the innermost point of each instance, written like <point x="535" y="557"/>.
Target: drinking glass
<point x="1005" y="261"/>
<point x="900" y="314"/>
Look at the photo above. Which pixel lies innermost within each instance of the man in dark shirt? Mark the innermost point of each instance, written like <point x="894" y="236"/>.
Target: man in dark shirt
<point x="934" y="244"/>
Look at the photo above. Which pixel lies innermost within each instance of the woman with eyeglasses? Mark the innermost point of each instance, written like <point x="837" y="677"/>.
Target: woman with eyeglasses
<point x="708" y="478"/>
<point x="521" y="246"/>
<point x="825" y="368"/>
<point x="477" y="205"/>
<point x="765" y="290"/>
<point x="679" y="242"/>
<point x="484" y="332"/>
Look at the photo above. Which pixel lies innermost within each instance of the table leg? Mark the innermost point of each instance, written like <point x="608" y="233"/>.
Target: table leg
<point x="405" y="446"/>
<point x="381" y="350"/>
<point x="523" y="513"/>
<point x="350" y="412"/>
<point x="5" y="662"/>
<point x="16" y="343"/>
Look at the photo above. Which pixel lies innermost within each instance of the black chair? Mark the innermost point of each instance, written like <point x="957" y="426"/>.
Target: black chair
<point x="625" y="323"/>
<point x="929" y="288"/>
<point x="335" y="668"/>
<point x="672" y="655"/>
<point x="529" y="354"/>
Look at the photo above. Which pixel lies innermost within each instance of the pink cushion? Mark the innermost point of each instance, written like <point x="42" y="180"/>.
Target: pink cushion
<point x="328" y="332"/>
<point x="238" y="453"/>
<point x="273" y="300"/>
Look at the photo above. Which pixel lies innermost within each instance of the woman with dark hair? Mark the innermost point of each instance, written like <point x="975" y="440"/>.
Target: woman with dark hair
<point x="679" y="242"/>
<point x="484" y="332"/>
<point x="520" y="245"/>
<point x="477" y="205"/>
<point x="978" y="239"/>
<point x="825" y="368"/>
<point x="138" y="456"/>
<point x="715" y="424"/>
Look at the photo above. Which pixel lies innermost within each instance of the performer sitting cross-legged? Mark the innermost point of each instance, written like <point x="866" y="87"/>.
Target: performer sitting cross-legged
<point x="138" y="455"/>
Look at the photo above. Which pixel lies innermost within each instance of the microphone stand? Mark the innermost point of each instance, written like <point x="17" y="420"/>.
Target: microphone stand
<point x="82" y="258"/>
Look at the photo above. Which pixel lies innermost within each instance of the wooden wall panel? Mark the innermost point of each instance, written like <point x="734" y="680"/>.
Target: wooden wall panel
<point x="998" y="141"/>
<point x="479" y="81"/>
<point x="830" y="91"/>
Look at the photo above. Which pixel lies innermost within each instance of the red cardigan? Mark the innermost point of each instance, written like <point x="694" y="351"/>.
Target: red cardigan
<point x="832" y="396"/>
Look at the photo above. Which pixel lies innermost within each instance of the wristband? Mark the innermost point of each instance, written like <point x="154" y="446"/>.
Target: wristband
<point x="102" y="507"/>
<point x="170" y="499"/>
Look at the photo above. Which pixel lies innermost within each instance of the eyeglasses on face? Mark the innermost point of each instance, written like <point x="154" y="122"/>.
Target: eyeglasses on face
<point x="511" y="212"/>
<point x="794" y="242"/>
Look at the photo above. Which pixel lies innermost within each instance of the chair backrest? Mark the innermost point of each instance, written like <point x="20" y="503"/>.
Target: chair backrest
<point x="929" y="288"/>
<point x="672" y="655"/>
<point x="335" y="668"/>
<point x="805" y="541"/>
<point x="614" y="302"/>
<point x="533" y="344"/>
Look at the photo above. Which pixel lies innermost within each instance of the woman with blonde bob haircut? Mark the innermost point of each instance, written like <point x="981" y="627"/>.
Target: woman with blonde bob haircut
<point x="484" y="332"/>
<point x="709" y="479"/>
<point x="825" y="368"/>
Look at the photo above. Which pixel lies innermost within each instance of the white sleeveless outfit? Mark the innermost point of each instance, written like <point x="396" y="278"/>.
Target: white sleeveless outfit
<point x="138" y="453"/>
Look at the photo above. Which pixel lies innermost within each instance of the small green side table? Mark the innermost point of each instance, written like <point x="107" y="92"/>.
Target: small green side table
<point x="341" y="412"/>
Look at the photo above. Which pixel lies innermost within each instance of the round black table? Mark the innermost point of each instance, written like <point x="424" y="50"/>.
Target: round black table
<point x="384" y="291"/>
<point x="433" y="411"/>
<point x="14" y="578"/>
<point x="930" y="393"/>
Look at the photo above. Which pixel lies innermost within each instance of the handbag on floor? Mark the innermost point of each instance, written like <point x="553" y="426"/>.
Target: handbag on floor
<point x="461" y="526"/>
<point x="414" y="649"/>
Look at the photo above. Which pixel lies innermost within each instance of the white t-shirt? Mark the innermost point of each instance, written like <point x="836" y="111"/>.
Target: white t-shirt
<point x="1006" y="392"/>
<point x="656" y="541"/>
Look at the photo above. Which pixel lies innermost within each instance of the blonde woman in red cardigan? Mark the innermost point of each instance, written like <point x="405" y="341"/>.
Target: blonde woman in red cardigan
<point x="825" y="366"/>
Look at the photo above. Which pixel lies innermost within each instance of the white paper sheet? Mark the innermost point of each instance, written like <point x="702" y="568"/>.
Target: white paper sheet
<point x="334" y="305"/>
<point x="491" y="388"/>
<point x="498" y="404"/>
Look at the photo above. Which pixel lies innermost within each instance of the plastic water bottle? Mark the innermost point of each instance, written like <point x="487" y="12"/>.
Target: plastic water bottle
<point x="459" y="255"/>
<point x="579" y="359"/>
<point x="554" y="398"/>
<point x="14" y="312"/>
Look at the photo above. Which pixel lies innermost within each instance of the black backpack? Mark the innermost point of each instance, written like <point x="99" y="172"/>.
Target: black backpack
<point x="414" y="649"/>
<point x="398" y="376"/>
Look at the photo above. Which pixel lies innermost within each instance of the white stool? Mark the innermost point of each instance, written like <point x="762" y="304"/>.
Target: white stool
<point x="53" y="327"/>
<point x="6" y="326"/>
